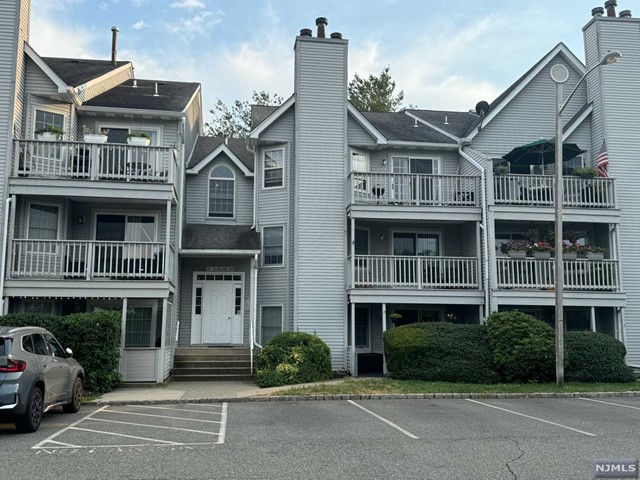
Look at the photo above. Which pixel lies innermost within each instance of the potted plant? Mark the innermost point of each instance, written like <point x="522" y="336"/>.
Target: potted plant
<point x="541" y="250"/>
<point x="136" y="137"/>
<point x="517" y="248"/>
<point x="49" y="133"/>
<point x="94" y="135"/>
<point x="570" y="251"/>
<point x="595" y="253"/>
<point x="585" y="172"/>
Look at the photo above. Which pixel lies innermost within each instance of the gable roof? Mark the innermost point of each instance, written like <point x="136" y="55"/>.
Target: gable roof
<point x="78" y="71"/>
<point x="455" y="123"/>
<point x="208" y="148"/>
<point x="271" y="117"/>
<point x="140" y="94"/>
<point x="399" y="127"/>
<point x="516" y="87"/>
<point x="220" y="237"/>
<point x="259" y="114"/>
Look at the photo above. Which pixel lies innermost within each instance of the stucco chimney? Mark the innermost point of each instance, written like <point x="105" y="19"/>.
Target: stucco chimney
<point x="611" y="5"/>
<point x="321" y="22"/>
<point x="114" y="44"/>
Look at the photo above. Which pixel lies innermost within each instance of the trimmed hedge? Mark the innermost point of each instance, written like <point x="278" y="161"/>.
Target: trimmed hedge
<point x="523" y="347"/>
<point x="93" y="337"/>
<point x="293" y="357"/>
<point x="595" y="357"/>
<point x="439" y="352"/>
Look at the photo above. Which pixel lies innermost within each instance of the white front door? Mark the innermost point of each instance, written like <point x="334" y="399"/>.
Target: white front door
<point x="218" y="312"/>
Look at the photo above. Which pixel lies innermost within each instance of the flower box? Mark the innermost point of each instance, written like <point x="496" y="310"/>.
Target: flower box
<point x="570" y="255"/>
<point x="47" y="137"/>
<point x="95" y="138"/>
<point x="138" y="141"/>
<point x="542" y="255"/>
<point x="517" y="253"/>
<point x="595" y="256"/>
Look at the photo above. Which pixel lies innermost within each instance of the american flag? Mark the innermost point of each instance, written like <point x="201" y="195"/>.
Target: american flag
<point x="602" y="163"/>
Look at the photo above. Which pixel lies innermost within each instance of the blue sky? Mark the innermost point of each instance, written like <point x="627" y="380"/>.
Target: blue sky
<point x="443" y="54"/>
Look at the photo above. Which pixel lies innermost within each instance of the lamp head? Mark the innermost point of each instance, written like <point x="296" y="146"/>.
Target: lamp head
<point x="612" y="56"/>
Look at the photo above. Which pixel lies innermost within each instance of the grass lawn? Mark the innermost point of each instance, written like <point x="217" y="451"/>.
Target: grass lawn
<point x="375" y="386"/>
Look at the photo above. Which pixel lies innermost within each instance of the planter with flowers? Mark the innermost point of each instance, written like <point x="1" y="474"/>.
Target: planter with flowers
<point x="541" y="250"/>
<point x="94" y="135"/>
<point x="595" y="253"/>
<point x="570" y="251"/>
<point x="49" y="133"/>
<point x="517" y="248"/>
<point x="141" y="139"/>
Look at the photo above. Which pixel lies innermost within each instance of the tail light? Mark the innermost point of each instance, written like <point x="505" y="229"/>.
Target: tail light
<point x="13" y="366"/>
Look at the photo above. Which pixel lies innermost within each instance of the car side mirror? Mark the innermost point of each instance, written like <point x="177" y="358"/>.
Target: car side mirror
<point x="4" y="361"/>
<point x="69" y="352"/>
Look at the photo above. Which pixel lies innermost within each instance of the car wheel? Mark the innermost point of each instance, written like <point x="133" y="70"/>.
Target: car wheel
<point x="76" y="397"/>
<point x="30" y="421"/>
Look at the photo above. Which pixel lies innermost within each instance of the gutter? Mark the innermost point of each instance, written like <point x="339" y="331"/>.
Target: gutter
<point x="483" y="225"/>
<point x="3" y="260"/>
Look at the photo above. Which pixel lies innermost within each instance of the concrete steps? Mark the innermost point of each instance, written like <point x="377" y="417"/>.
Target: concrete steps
<point x="203" y="364"/>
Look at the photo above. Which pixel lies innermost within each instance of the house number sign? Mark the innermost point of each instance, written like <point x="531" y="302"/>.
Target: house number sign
<point x="220" y="269"/>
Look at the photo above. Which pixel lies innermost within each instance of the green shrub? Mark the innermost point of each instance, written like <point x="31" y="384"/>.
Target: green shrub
<point x="93" y="337"/>
<point x="293" y="357"/>
<point x="439" y="352"/>
<point x="523" y="347"/>
<point x="595" y="357"/>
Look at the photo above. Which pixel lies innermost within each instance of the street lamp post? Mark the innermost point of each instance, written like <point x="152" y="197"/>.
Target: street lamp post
<point x="560" y="74"/>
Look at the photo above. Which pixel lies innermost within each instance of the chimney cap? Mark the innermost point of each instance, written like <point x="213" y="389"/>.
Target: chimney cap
<point x="306" y="32"/>
<point x="115" y="28"/>
<point x="320" y="20"/>
<point x="597" y="12"/>
<point x="337" y="35"/>
<point x="625" y="14"/>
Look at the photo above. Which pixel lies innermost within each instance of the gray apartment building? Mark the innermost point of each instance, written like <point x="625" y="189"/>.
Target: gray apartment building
<point x="324" y="219"/>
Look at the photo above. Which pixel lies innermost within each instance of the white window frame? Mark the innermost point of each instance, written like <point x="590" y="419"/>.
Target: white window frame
<point x="46" y="204"/>
<point x="159" y="129"/>
<point x="46" y="110"/>
<point x="264" y="168"/>
<point x="360" y="185"/>
<point x="156" y="221"/>
<point x="235" y="192"/>
<point x="145" y="303"/>
<point x="262" y="307"/>
<point x="284" y="233"/>
<point x="439" y="233"/>
<point x="436" y="163"/>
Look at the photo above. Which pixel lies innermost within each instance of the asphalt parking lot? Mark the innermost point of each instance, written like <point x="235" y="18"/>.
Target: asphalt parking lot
<point x="550" y="438"/>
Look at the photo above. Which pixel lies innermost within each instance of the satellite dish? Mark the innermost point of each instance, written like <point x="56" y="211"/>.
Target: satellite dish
<point x="559" y="73"/>
<point x="482" y="108"/>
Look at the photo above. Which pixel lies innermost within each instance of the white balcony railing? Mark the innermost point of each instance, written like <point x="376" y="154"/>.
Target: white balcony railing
<point x="107" y="161"/>
<point x="71" y="259"/>
<point x="539" y="190"/>
<point x="581" y="274"/>
<point x="413" y="189"/>
<point x="388" y="271"/>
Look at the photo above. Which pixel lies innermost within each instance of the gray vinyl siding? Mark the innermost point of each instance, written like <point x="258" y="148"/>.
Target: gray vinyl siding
<point x="41" y="103"/>
<point x="319" y="209"/>
<point x="37" y="82"/>
<point x="356" y="135"/>
<point x="169" y="129"/>
<point x="106" y="84"/>
<point x="581" y="136"/>
<point x="197" y="195"/>
<point x="530" y="115"/>
<point x="468" y="240"/>
<point x="448" y="160"/>
<point x="621" y="122"/>
<point x="190" y="265"/>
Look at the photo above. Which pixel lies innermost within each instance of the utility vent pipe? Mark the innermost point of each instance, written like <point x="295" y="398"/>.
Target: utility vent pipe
<point x="625" y="14"/>
<point x="610" y="6"/>
<point x="597" y="12"/>
<point x="114" y="44"/>
<point x="321" y="23"/>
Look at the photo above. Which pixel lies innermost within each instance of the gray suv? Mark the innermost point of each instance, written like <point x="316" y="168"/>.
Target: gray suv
<point x="36" y="374"/>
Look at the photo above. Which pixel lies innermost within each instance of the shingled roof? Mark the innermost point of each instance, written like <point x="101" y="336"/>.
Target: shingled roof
<point x="219" y="237"/>
<point x="398" y="126"/>
<point x="78" y="71"/>
<point x="140" y="94"/>
<point x="456" y="123"/>
<point x="206" y="145"/>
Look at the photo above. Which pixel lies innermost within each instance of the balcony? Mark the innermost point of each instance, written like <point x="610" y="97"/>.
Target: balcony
<point x="392" y="271"/>
<point x="87" y="260"/>
<point x="539" y="274"/>
<point x="414" y="189"/>
<point x="101" y="162"/>
<point x="539" y="190"/>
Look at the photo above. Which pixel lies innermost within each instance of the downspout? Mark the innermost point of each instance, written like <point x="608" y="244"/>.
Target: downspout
<point x="483" y="227"/>
<point x="253" y="311"/>
<point x="255" y="188"/>
<point x="3" y="260"/>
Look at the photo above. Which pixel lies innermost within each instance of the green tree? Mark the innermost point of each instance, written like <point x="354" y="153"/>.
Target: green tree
<point x="235" y="120"/>
<point x="375" y="94"/>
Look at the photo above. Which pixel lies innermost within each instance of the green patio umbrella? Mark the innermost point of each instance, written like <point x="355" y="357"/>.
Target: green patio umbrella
<point x="541" y="152"/>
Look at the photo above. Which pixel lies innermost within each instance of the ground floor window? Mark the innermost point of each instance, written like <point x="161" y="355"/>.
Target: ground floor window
<point x="271" y="324"/>
<point x="143" y="326"/>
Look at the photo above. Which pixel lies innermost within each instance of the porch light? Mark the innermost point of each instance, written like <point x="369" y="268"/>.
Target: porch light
<point x="559" y="75"/>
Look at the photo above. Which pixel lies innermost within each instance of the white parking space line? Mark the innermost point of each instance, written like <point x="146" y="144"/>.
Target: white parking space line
<point x="152" y="426"/>
<point x="174" y="409"/>
<point x="215" y="405"/>
<point x="223" y="427"/>
<point x="50" y="438"/>
<point x="127" y="436"/>
<point x="400" y="429"/>
<point x="610" y="403"/>
<point x="532" y="418"/>
<point x="161" y="416"/>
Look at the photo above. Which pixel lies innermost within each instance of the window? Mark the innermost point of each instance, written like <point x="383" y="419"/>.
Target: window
<point x="143" y="328"/>
<point x="43" y="222"/>
<point x="221" y="192"/>
<point x="129" y="228"/>
<point x="272" y="245"/>
<point x="39" y="345"/>
<point x="361" y="246"/>
<point x="48" y="119"/>
<point x="54" y="347"/>
<point x="27" y="344"/>
<point x="44" y="307"/>
<point x="271" y="324"/>
<point x="273" y="168"/>
<point x="362" y="328"/>
<point x="198" y="301"/>
<point x="359" y="163"/>
<point x="416" y="244"/>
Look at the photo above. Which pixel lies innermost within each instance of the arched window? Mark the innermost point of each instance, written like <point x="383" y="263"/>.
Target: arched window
<point x="221" y="192"/>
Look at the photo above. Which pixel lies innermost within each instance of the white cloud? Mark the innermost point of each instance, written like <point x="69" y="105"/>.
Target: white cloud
<point x="139" y="25"/>
<point x="188" y="4"/>
<point x="189" y="28"/>
<point x="73" y="43"/>
<point x="138" y="3"/>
